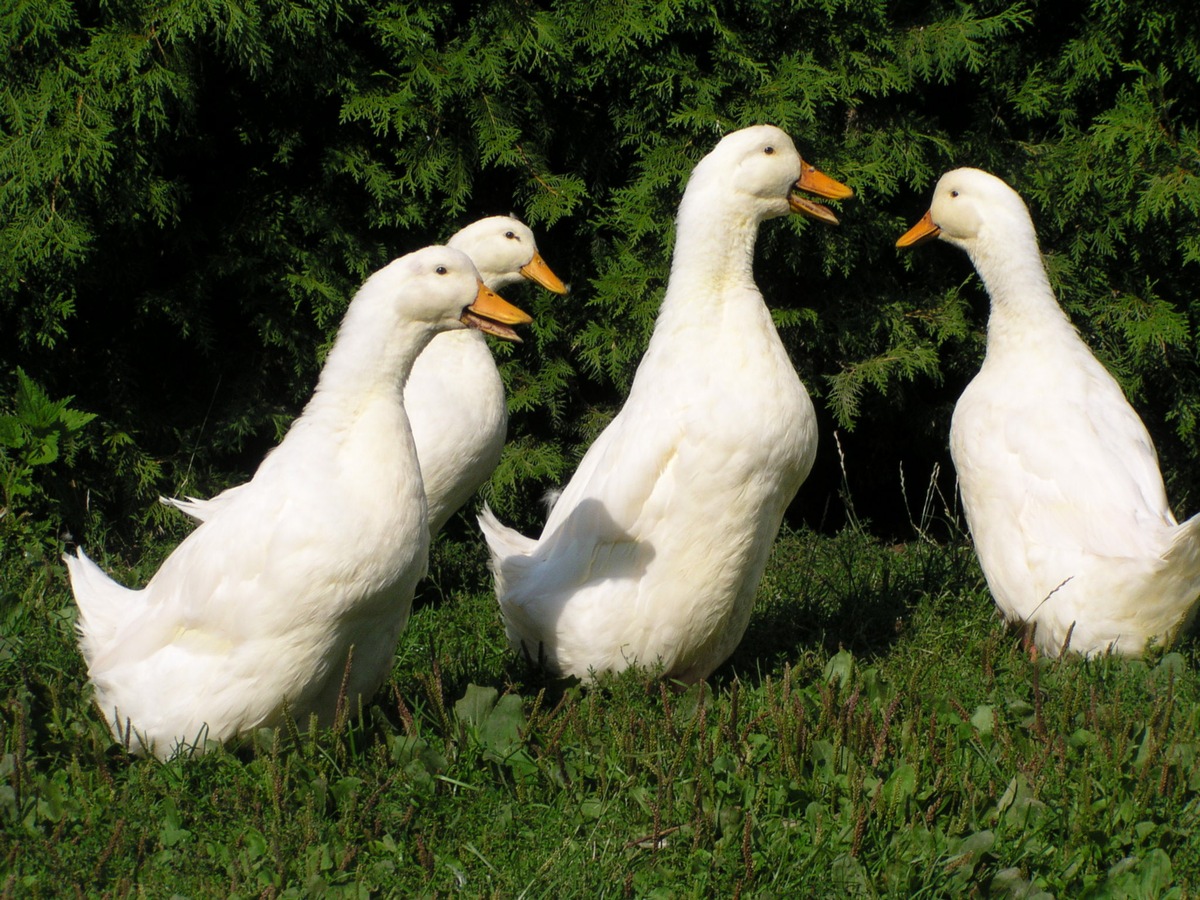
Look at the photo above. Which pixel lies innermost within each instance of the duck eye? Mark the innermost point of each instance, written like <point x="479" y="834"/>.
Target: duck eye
<point x="954" y="193"/>
<point x="768" y="150"/>
<point x="441" y="270"/>
<point x="510" y="235"/>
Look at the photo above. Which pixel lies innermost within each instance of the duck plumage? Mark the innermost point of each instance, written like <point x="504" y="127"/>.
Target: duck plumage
<point x="653" y="551"/>
<point x="300" y="582"/>
<point x="1059" y="477"/>
<point x="454" y="397"/>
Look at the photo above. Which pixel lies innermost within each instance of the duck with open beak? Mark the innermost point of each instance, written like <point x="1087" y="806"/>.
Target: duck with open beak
<point x="814" y="181"/>
<point x="492" y="314"/>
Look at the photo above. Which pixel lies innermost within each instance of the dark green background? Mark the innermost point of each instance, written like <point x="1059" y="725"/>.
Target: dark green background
<point x="190" y="192"/>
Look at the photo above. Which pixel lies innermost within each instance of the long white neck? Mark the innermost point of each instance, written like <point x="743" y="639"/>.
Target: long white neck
<point x="368" y="359"/>
<point x="715" y="236"/>
<point x="1010" y="265"/>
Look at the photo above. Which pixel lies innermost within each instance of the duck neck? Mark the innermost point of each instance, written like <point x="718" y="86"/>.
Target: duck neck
<point x="714" y="250"/>
<point x="365" y="363"/>
<point x="1015" y="277"/>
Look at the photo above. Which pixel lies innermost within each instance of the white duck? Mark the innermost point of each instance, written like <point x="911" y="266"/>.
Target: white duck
<point x="294" y="592"/>
<point x="1059" y="478"/>
<point x="653" y="552"/>
<point x="454" y="396"/>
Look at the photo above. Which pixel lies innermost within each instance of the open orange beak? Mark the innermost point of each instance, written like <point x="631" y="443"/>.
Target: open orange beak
<point x="923" y="231"/>
<point x="814" y="181"/>
<point x="491" y="313"/>
<point x="537" y="270"/>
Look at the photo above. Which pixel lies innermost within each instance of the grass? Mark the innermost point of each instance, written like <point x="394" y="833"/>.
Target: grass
<point x="877" y="734"/>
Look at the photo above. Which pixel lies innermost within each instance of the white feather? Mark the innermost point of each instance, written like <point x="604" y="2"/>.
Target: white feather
<point x="1059" y="477"/>
<point x="304" y="575"/>
<point x="454" y="396"/>
<point x="653" y="551"/>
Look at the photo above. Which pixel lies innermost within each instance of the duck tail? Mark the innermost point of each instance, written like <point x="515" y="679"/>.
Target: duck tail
<point x="192" y="506"/>
<point x="502" y="540"/>
<point x="550" y="498"/>
<point x="103" y="604"/>
<point x="200" y="509"/>
<point x="1182" y="561"/>
<point x="504" y="545"/>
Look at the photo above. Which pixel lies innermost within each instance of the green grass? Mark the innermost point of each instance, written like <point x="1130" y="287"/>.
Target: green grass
<point x="878" y="733"/>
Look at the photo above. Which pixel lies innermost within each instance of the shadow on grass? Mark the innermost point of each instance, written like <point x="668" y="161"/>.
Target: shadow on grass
<point x="458" y="563"/>
<point x="844" y="591"/>
<point x="820" y="593"/>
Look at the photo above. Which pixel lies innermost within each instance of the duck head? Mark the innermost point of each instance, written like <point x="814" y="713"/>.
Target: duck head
<point x="440" y="287"/>
<point x="970" y="207"/>
<point x="761" y="163"/>
<point x="505" y="252"/>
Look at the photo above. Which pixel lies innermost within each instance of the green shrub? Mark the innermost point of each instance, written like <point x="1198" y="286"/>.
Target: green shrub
<point x="37" y="434"/>
<point x="189" y="194"/>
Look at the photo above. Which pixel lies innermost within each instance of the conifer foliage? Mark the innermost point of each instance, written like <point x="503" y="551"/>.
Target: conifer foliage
<point x="190" y="192"/>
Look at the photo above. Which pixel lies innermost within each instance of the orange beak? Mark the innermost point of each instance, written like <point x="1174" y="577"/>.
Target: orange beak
<point x="923" y="231"/>
<point x="814" y="181"/>
<point x="491" y="313"/>
<point x="537" y="270"/>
